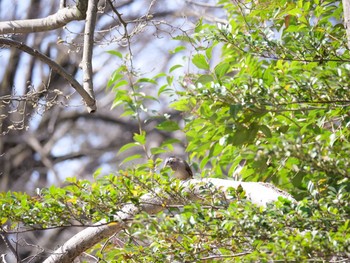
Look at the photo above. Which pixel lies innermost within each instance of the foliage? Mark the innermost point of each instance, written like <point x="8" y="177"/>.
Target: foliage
<point x="215" y="230"/>
<point x="241" y="232"/>
<point x="278" y="97"/>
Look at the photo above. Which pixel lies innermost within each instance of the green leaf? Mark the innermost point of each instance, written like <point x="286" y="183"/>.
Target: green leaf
<point x="241" y="136"/>
<point x="131" y="158"/>
<point x="3" y="220"/>
<point x="158" y="150"/>
<point x="128" y="146"/>
<point x="204" y="162"/>
<point x="221" y="69"/>
<point x="283" y="128"/>
<point x="170" y="142"/>
<point x="204" y="79"/>
<point x="216" y="149"/>
<point x="120" y="84"/>
<point x="295" y="12"/>
<point x="175" y="67"/>
<point x="97" y="173"/>
<point x="199" y="26"/>
<point x="208" y="52"/>
<point x="183" y="38"/>
<point x="146" y="80"/>
<point x="115" y="76"/>
<point x="177" y="49"/>
<point x="115" y="53"/>
<point x="235" y="109"/>
<point x="266" y="130"/>
<point x="140" y="138"/>
<point x="181" y="105"/>
<point x="163" y="89"/>
<point x="200" y="61"/>
<point x="168" y="126"/>
<point x="169" y="80"/>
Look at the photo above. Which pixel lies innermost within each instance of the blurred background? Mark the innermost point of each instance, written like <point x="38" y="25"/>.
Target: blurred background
<point x="46" y="133"/>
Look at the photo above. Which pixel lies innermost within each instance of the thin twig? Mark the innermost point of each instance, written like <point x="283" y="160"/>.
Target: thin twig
<point x="121" y="20"/>
<point x="126" y="33"/>
<point x="204" y="4"/>
<point x="226" y="256"/>
<point x="90" y="102"/>
<point x="9" y="245"/>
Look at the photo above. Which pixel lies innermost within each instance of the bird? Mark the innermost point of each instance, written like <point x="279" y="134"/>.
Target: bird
<point x="182" y="170"/>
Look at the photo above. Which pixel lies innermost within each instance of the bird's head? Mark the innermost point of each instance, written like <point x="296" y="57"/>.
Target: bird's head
<point x="173" y="162"/>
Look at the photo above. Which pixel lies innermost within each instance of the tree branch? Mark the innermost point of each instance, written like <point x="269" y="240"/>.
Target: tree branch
<point x="59" y="19"/>
<point x="226" y="256"/>
<point x="34" y="143"/>
<point x="258" y="193"/>
<point x="346" y="10"/>
<point x="86" y="63"/>
<point x="90" y="101"/>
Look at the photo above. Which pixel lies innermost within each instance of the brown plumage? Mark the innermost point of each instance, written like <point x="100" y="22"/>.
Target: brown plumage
<point x="180" y="167"/>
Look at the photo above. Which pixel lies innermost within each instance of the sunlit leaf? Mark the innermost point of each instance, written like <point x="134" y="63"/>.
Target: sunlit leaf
<point x="200" y="61"/>
<point x="115" y="53"/>
<point x="128" y="146"/>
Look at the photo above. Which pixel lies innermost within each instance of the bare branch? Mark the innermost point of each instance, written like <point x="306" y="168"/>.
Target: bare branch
<point x="203" y="4"/>
<point x="121" y="20"/>
<point x="62" y="3"/>
<point x="346" y="8"/>
<point x="9" y="246"/>
<point x="3" y="259"/>
<point x="86" y="62"/>
<point x="90" y="102"/>
<point x="89" y="237"/>
<point x="57" y="20"/>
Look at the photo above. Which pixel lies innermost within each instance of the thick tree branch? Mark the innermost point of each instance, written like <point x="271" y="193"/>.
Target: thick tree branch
<point x="346" y="10"/>
<point x="55" y="21"/>
<point x="86" y="62"/>
<point x="90" y="101"/>
<point x="258" y="193"/>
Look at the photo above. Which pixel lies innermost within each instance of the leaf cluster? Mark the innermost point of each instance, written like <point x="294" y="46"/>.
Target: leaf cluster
<point x="278" y="97"/>
<point x="239" y="232"/>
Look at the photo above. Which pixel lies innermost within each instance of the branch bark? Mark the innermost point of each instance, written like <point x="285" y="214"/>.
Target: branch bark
<point x="83" y="9"/>
<point x="86" y="62"/>
<point x="346" y="10"/>
<point x="90" y="101"/>
<point x="55" y="21"/>
<point x="258" y="193"/>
